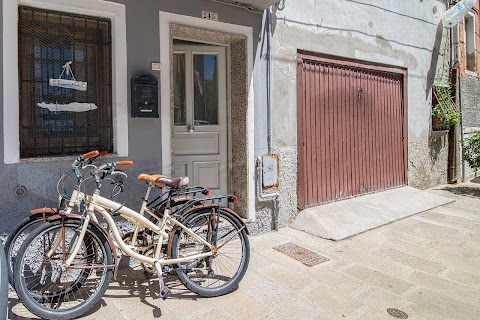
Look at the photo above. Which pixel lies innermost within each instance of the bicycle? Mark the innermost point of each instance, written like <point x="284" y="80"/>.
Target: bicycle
<point x="21" y="231"/>
<point x="201" y="233"/>
<point x="40" y="215"/>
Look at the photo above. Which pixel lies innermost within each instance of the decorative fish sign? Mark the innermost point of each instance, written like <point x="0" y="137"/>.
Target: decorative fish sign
<point x="69" y="84"/>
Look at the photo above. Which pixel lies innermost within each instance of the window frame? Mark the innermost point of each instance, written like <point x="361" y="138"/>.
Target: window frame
<point x="470" y="16"/>
<point x="45" y="48"/>
<point x="113" y="11"/>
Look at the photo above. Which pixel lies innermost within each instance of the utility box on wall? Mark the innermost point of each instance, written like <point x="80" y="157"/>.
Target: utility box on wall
<point x="270" y="171"/>
<point x="144" y="96"/>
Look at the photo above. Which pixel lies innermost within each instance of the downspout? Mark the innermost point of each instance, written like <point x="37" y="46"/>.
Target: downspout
<point x="461" y="121"/>
<point x="459" y="90"/>
<point x="452" y="136"/>
<point x="261" y="197"/>
<point x="269" y="80"/>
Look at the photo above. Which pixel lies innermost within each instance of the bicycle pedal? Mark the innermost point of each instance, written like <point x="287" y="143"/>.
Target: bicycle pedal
<point x="165" y="292"/>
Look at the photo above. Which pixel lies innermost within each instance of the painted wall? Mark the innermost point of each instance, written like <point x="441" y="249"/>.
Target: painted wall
<point x="40" y="178"/>
<point x="398" y="33"/>
<point x="470" y="89"/>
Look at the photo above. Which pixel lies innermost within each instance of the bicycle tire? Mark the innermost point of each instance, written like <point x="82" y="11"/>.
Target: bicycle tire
<point x="3" y="284"/>
<point x="46" y="304"/>
<point x="230" y="232"/>
<point x="16" y="237"/>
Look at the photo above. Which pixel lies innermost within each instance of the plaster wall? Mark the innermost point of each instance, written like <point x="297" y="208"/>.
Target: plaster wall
<point x="470" y="87"/>
<point x="144" y="138"/>
<point x="405" y="34"/>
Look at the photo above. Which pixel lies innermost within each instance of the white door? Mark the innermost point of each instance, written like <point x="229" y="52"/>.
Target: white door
<point x="200" y="115"/>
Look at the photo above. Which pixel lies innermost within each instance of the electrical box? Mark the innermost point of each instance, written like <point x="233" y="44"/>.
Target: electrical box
<point x="270" y="171"/>
<point x="144" y="96"/>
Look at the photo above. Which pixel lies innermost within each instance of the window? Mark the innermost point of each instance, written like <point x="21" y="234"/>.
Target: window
<point x="56" y="120"/>
<point x="470" y="46"/>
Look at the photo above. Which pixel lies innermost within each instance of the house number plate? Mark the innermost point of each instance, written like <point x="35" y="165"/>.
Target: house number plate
<point x="210" y="15"/>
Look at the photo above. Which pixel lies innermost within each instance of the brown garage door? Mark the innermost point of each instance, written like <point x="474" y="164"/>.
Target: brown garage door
<point x="351" y="129"/>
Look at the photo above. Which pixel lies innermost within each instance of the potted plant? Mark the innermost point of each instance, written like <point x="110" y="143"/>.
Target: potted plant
<point x="471" y="150"/>
<point x="444" y="112"/>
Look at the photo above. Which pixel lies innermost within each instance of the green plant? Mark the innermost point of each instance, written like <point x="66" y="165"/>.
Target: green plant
<point x="445" y="109"/>
<point x="471" y="150"/>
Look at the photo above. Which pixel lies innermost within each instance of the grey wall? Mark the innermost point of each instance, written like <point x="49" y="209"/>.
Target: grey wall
<point x="145" y="147"/>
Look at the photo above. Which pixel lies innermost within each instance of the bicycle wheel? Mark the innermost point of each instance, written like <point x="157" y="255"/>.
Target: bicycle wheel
<point x="3" y="284"/>
<point x="16" y="238"/>
<point x="218" y="274"/>
<point x="46" y="287"/>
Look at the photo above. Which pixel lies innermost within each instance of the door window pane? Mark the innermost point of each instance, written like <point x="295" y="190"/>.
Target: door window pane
<point x="205" y="84"/>
<point x="179" y="103"/>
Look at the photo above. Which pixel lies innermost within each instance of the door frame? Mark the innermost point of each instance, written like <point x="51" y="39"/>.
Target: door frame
<point x="165" y="21"/>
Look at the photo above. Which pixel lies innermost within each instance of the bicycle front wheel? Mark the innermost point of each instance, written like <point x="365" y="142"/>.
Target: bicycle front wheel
<point x="49" y="289"/>
<point x="220" y="273"/>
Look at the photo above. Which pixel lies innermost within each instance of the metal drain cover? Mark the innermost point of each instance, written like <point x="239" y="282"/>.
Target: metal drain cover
<point x="305" y="256"/>
<point x="397" y="313"/>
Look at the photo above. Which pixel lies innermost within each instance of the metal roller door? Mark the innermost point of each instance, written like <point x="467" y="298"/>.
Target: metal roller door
<point x="350" y="129"/>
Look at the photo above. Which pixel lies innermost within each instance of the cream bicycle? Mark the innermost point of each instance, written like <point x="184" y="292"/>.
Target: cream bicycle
<point x="63" y="268"/>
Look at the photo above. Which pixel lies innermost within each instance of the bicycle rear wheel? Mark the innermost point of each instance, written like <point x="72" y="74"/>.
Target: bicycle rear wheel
<point x="218" y="274"/>
<point x="46" y="287"/>
<point x="16" y="238"/>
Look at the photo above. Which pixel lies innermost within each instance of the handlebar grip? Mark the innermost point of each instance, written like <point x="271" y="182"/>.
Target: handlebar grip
<point x="103" y="153"/>
<point x="90" y="154"/>
<point x="125" y="163"/>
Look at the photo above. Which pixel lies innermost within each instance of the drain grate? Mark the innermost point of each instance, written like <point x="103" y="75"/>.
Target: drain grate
<point x="305" y="256"/>
<point x="397" y="313"/>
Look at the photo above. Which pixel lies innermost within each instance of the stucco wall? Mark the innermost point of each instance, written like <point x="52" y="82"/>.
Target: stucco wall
<point x="470" y="88"/>
<point x="145" y="146"/>
<point x="390" y="32"/>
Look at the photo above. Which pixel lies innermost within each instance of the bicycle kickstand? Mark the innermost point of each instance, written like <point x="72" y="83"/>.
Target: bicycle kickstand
<point x="164" y="290"/>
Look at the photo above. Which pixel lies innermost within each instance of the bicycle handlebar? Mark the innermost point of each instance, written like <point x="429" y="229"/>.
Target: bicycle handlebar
<point x="125" y="163"/>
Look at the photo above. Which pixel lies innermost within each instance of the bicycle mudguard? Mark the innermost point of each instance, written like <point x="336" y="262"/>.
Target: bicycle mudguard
<point x="174" y="201"/>
<point x="194" y="210"/>
<point x="73" y="216"/>
<point x="44" y="212"/>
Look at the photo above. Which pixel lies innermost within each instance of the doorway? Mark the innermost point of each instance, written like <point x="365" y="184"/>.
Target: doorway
<point x="200" y="115"/>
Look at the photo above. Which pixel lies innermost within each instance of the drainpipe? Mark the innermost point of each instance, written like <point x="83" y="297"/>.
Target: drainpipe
<point x="458" y="89"/>
<point x="461" y="121"/>
<point x="269" y="80"/>
<point x="261" y="197"/>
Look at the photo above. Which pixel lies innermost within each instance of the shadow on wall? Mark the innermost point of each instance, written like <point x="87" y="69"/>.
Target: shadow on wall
<point x="432" y="71"/>
<point x="436" y="145"/>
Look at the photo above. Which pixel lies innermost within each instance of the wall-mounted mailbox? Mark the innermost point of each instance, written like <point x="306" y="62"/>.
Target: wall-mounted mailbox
<point x="144" y="96"/>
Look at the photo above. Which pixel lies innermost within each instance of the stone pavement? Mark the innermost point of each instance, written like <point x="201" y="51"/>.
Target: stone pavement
<point x="427" y="265"/>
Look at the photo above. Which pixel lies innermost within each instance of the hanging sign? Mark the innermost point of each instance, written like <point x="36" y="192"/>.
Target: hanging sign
<point x="69" y="84"/>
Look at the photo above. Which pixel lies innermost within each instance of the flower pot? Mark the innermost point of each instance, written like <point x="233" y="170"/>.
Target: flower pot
<point x="438" y="125"/>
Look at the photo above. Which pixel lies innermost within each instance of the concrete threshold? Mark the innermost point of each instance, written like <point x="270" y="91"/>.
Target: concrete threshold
<point x="347" y="218"/>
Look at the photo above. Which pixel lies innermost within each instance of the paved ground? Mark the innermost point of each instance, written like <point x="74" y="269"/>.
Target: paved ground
<point x="427" y="265"/>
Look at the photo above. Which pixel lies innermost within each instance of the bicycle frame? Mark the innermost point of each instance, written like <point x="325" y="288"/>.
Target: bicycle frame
<point x="101" y="205"/>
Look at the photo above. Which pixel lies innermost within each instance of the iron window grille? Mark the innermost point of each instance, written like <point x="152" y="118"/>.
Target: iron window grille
<point x="47" y="40"/>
